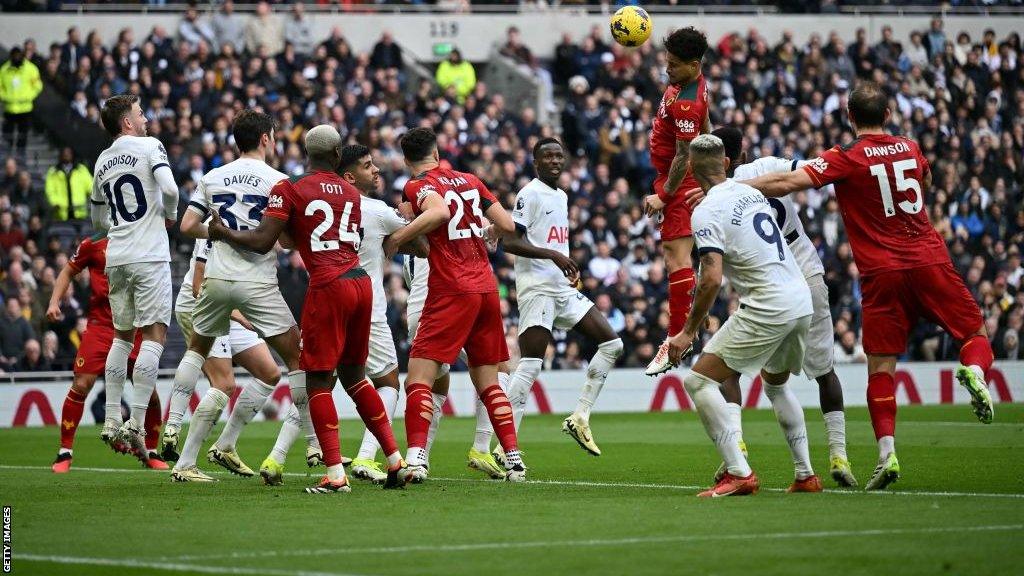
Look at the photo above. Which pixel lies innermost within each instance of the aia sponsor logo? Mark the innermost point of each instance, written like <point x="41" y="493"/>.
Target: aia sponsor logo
<point x="275" y="201"/>
<point x="686" y="126"/>
<point x="558" y="234"/>
<point x="819" y="165"/>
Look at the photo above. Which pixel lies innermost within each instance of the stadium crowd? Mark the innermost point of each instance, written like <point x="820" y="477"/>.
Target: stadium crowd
<point x="961" y="97"/>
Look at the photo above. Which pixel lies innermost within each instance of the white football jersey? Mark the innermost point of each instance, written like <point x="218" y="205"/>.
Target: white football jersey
<point x="785" y="213"/>
<point x="737" y="221"/>
<point x="379" y="222"/>
<point x="200" y="253"/>
<point x="238" y="191"/>
<point x="416" y="270"/>
<point x="124" y="182"/>
<point x="544" y="212"/>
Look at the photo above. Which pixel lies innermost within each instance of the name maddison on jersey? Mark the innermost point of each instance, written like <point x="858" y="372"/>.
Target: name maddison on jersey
<point x="250" y="179"/>
<point x="896" y="148"/>
<point x="125" y="159"/>
<point x="742" y="204"/>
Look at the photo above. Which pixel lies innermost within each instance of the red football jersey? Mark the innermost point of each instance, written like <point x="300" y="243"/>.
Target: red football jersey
<point x="323" y="215"/>
<point x="681" y="116"/>
<point x="92" y="254"/>
<point x="877" y="181"/>
<point x="458" y="255"/>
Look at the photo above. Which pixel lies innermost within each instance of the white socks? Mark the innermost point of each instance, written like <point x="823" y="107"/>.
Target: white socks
<point x="205" y="416"/>
<point x="522" y="382"/>
<point x="389" y="397"/>
<point x="735" y="415"/>
<point x="711" y="406"/>
<point x="114" y="374"/>
<point x="886" y="446"/>
<point x="597" y="372"/>
<point x="435" y="421"/>
<point x="835" y="431"/>
<point x="248" y="405"/>
<point x="300" y="399"/>
<point x="290" y="427"/>
<point x="791" y="417"/>
<point x="484" y="430"/>
<point x="189" y="371"/>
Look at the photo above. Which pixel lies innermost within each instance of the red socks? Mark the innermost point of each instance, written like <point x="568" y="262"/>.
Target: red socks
<point x="882" y="403"/>
<point x="419" y="411"/>
<point x="371" y="410"/>
<point x="153" y="421"/>
<point x="325" y="422"/>
<point x="70" y="416"/>
<point x="977" y="352"/>
<point x="500" y="412"/>
<point x="680" y="298"/>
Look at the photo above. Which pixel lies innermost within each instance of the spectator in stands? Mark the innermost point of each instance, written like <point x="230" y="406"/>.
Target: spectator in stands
<point x="514" y="47"/>
<point x="263" y="32"/>
<point x="228" y="27"/>
<point x="386" y="54"/>
<point x="11" y="234"/>
<point x="27" y="201"/>
<point x="458" y="73"/>
<point x="68" y="185"/>
<point x="53" y="354"/>
<point x="71" y="51"/>
<point x="9" y="179"/>
<point x="298" y="30"/>
<point x="20" y="85"/>
<point x="32" y="360"/>
<point x="193" y="30"/>
<point x="847" y="350"/>
<point x="15" y="332"/>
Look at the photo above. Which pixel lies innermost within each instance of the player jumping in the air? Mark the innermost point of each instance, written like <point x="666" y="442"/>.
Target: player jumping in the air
<point x="682" y="115"/>
<point x="378" y="222"/>
<point x="881" y="182"/>
<point x="547" y="299"/>
<point x="462" y="310"/>
<point x="737" y="238"/>
<point x="133" y="180"/>
<point x="321" y="213"/>
<point x="818" y="363"/>
<point x="92" y="353"/>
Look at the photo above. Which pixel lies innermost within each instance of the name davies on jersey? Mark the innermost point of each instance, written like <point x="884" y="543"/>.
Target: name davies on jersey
<point x="125" y="159"/>
<point x="889" y="150"/>
<point x="249" y="179"/>
<point x="741" y="206"/>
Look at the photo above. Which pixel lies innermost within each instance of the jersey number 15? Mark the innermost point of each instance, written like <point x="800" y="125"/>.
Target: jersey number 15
<point x="903" y="184"/>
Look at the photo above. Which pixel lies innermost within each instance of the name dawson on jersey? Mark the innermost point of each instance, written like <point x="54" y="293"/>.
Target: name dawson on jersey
<point x="888" y="150"/>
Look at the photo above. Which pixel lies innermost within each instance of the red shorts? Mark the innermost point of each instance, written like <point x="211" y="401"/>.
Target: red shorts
<point x="336" y="323"/>
<point x="451" y="322"/>
<point x="92" y="353"/>
<point x="677" y="213"/>
<point x="894" y="301"/>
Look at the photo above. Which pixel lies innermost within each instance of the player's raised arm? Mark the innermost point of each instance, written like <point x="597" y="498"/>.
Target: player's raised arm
<point x="433" y="213"/>
<point x="260" y="240"/>
<point x="777" y="184"/>
<point x="60" y="288"/>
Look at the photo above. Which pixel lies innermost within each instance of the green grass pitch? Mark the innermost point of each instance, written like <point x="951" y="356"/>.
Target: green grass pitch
<point x="959" y="508"/>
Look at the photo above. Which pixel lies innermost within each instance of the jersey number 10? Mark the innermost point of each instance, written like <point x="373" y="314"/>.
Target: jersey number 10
<point x="115" y="198"/>
<point x="903" y="184"/>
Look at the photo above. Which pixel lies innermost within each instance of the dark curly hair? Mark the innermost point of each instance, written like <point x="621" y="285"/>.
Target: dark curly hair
<point x="687" y="44"/>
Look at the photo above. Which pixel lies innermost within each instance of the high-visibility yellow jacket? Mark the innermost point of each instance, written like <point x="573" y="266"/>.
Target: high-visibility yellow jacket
<point x="57" y="183"/>
<point x="19" y="86"/>
<point x="461" y="75"/>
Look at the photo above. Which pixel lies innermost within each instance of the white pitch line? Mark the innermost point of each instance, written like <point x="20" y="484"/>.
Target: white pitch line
<point x="169" y="567"/>
<point x="584" y="483"/>
<point x="599" y="542"/>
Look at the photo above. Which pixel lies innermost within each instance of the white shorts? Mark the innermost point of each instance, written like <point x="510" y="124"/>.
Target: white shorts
<point x="818" y="358"/>
<point x="563" y="311"/>
<point x="140" y="294"/>
<point x="261" y="304"/>
<point x="412" y="321"/>
<point x="383" y="357"/>
<point x="238" y="339"/>
<point x="748" y="346"/>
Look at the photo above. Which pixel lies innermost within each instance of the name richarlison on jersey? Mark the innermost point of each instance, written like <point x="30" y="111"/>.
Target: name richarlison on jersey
<point x="741" y="205"/>
<point x="125" y="159"/>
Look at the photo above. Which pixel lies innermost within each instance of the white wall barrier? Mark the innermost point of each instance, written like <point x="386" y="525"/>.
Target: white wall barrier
<point x="39" y="404"/>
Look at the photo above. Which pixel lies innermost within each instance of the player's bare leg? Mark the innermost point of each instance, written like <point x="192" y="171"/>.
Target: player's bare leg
<point x="703" y="384"/>
<point x="485" y="380"/>
<point x="975" y="360"/>
<point x="258" y="362"/>
<point x="132" y="432"/>
<point x="365" y="465"/>
<point x="205" y="416"/>
<point x="70" y="417"/>
<point x="882" y="407"/>
<point x="830" y="397"/>
<point x="681" y="281"/>
<point x="287" y="347"/>
<point x="419" y="413"/>
<point x="595" y="327"/>
<point x="790" y="415"/>
<point x="734" y="408"/>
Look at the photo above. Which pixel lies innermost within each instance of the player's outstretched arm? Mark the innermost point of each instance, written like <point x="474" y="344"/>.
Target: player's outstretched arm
<point x="261" y="239"/>
<point x="775" y="184"/>
<point x="520" y="245"/>
<point x="192" y="224"/>
<point x="434" y="212"/>
<point x="708" y="285"/>
<point x="417" y="247"/>
<point x="60" y="288"/>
